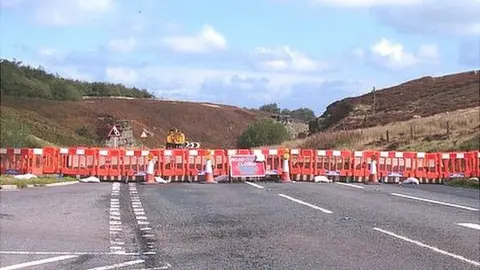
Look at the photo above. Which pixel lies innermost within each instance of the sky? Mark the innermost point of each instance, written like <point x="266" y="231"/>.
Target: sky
<point x="297" y="53"/>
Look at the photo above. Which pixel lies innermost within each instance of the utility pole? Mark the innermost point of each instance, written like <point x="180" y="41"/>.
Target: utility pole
<point x="374" y="100"/>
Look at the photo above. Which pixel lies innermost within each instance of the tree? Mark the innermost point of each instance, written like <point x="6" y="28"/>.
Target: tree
<point x="271" y="108"/>
<point x="286" y="111"/>
<point x="263" y="132"/>
<point x="25" y="81"/>
<point x="304" y="114"/>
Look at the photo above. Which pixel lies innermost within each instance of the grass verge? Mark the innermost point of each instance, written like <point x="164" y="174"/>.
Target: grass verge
<point x="463" y="182"/>
<point x="23" y="183"/>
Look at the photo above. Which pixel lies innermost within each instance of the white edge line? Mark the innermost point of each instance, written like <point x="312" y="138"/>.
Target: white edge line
<point x="67" y="253"/>
<point x="470" y="225"/>
<point x="304" y="203"/>
<point x="433" y="201"/>
<point x="253" y="184"/>
<point x="33" y="263"/>
<point x="350" y="185"/>
<point x="114" y="266"/>
<point x="429" y="247"/>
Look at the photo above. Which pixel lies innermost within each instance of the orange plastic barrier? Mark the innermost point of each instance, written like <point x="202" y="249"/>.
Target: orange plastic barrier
<point x="302" y="164"/>
<point x="188" y="164"/>
<point x="427" y="167"/>
<point x="173" y="164"/>
<point x="334" y="163"/>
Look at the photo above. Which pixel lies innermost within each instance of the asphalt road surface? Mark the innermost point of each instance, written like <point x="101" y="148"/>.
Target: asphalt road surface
<point x="240" y="226"/>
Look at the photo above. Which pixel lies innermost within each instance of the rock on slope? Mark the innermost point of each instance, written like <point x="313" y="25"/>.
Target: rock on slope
<point x="422" y="97"/>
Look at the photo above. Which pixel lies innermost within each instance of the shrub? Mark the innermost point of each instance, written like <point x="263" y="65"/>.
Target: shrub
<point x="263" y="132"/>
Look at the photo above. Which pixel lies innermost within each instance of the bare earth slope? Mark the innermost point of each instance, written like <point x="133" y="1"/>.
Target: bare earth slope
<point x="422" y="97"/>
<point x="57" y="121"/>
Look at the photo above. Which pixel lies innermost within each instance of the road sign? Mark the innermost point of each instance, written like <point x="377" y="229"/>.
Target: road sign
<point x="114" y="132"/>
<point x="144" y="135"/>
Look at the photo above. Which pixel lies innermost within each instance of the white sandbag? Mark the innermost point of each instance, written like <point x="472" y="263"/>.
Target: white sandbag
<point x="221" y="178"/>
<point x="159" y="179"/>
<point x="475" y="179"/>
<point x="25" y="176"/>
<point x="410" y="181"/>
<point x="321" y="179"/>
<point x="90" y="179"/>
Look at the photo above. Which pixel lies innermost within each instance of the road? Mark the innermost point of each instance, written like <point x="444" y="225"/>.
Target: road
<point x="240" y="226"/>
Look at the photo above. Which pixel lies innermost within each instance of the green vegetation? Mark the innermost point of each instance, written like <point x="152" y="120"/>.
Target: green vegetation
<point x="263" y="132"/>
<point x="40" y="181"/>
<point x="463" y="182"/>
<point x="19" y="80"/>
<point x="471" y="144"/>
<point x="303" y="114"/>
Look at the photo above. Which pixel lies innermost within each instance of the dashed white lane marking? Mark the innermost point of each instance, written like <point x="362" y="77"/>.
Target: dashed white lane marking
<point x="437" y="202"/>
<point x="253" y="184"/>
<point x="470" y="225"/>
<point x="118" y="265"/>
<point x="116" y="244"/>
<point x="33" y="263"/>
<point x="349" y="185"/>
<point x="304" y="203"/>
<point x="458" y="257"/>
<point x="141" y="216"/>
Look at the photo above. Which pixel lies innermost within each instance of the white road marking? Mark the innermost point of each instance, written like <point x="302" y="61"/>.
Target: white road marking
<point x="304" y="203"/>
<point x="118" y="265"/>
<point x="115" y="220"/>
<point x="67" y="253"/>
<point x="437" y="202"/>
<point x="429" y="247"/>
<point x="145" y="229"/>
<point x="33" y="263"/>
<point x="253" y="184"/>
<point x="349" y="185"/>
<point x="470" y="225"/>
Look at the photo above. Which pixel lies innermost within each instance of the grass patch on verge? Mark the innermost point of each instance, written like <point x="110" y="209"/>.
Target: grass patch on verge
<point x="43" y="180"/>
<point x="463" y="182"/>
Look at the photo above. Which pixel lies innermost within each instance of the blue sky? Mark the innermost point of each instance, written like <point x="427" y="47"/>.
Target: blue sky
<point x="298" y="53"/>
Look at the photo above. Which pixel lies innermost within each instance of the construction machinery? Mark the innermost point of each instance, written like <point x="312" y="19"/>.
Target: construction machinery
<point x="177" y="139"/>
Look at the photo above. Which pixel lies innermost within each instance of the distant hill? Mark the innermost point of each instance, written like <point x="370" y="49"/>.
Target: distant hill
<point x="422" y="97"/>
<point x="39" y="108"/>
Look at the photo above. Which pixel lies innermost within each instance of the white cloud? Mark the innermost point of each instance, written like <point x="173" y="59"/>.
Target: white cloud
<point x="366" y="3"/>
<point x="459" y="17"/>
<point x="428" y="51"/>
<point x="10" y="3"/>
<point x="61" y="12"/>
<point x="72" y="72"/>
<point x="122" y="75"/>
<point x="123" y="44"/>
<point x="207" y="40"/>
<point x="393" y="55"/>
<point x="284" y="59"/>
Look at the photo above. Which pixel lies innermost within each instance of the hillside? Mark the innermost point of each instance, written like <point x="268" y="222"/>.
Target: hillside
<point x="39" y="108"/>
<point x="451" y="131"/>
<point x="422" y="97"/>
<point x="59" y="122"/>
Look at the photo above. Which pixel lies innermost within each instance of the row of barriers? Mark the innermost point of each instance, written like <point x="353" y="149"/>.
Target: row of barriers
<point x="188" y="164"/>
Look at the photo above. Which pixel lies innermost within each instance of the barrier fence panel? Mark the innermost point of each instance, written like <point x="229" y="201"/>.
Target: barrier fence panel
<point x="51" y="161"/>
<point x="174" y="164"/>
<point x="187" y="164"/>
<point x="302" y="164"/>
<point x="391" y="166"/>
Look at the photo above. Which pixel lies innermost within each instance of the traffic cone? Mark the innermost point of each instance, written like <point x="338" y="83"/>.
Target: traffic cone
<point x="285" y="178"/>
<point x="209" y="172"/>
<point x="150" y="172"/>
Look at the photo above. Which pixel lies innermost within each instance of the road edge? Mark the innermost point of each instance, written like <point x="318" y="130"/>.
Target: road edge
<point x="9" y="187"/>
